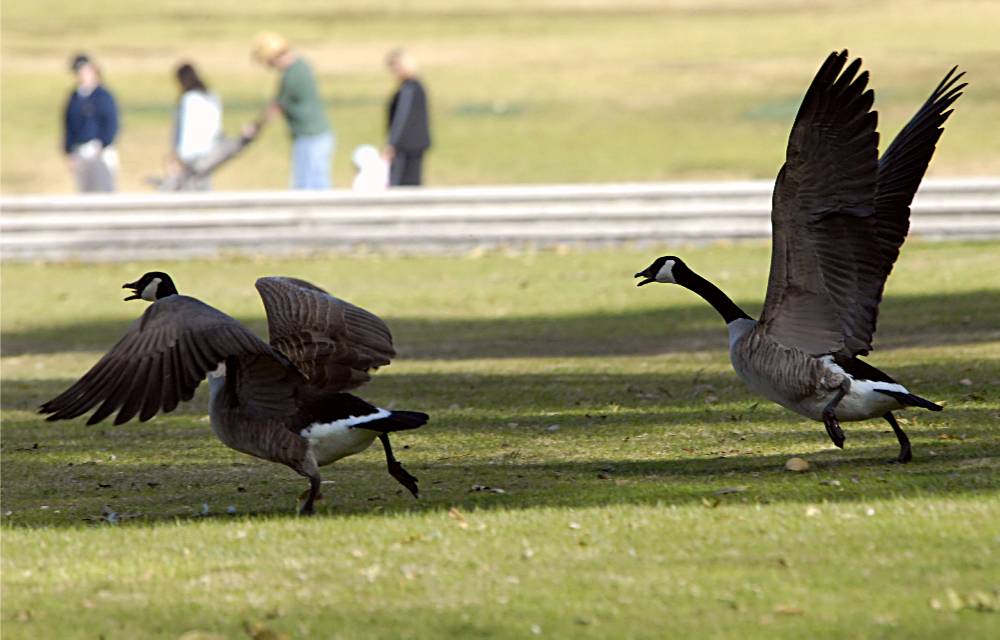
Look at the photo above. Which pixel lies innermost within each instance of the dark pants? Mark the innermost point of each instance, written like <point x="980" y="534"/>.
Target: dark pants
<point x="406" y="169"/>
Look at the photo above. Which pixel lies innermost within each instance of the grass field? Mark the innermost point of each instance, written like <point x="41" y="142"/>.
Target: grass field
<point x="546" y="91"/>
<point x="644" y="490"/>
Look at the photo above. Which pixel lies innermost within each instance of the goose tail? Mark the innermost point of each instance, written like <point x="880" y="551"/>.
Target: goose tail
<point x="910" y="400"/>
<point x="400" y="421"/>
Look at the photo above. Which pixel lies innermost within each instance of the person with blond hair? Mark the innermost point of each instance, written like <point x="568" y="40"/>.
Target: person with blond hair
<point x="299" y="101"/>
<point x="409" y="131"/>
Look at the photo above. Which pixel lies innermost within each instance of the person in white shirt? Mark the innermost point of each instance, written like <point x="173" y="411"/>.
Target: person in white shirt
<point x="371" y="170"/>
<point x="197" y="125"/>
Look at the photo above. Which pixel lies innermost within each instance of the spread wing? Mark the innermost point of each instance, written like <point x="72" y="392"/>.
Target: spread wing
<point x="162" y="358"/>
<point x="332" y="342"/>
<point x="902" y="167"/>
<point x="826" y="265"/>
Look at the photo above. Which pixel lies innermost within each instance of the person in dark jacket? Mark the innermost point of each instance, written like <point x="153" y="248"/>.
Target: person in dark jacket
<point x="409" y="132"/>
<point x="91" y="124"/>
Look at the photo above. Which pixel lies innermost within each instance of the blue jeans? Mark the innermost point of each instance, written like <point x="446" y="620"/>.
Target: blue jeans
<point x="311" y="161"/>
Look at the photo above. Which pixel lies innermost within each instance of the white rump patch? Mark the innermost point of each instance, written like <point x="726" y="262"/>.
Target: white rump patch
<point x="319" y="429"/>
<point x="863" y="401"/>
<point x="149" y="293"/>
<point x="331" y="441"/>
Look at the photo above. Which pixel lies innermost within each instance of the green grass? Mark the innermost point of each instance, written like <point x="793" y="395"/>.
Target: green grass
<point x="546" y="91"/>
<point x="644" y="488"/>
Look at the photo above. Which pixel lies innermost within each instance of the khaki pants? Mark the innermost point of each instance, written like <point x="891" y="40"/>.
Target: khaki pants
<point x="96" y="167"/>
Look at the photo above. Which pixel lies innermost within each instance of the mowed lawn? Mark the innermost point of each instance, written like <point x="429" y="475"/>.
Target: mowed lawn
<point x="592" y="467"/>
<point x="540" y="91"/>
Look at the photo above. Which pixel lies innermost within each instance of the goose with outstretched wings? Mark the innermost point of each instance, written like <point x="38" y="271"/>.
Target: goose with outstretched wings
<point x="839" y="217"/>
<point x="284" y="401"/>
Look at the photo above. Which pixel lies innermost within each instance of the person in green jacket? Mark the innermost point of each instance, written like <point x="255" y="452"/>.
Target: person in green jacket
<point x="299" y="101"/>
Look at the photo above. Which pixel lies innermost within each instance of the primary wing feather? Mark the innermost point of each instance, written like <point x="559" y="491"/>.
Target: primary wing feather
<point x="332" y="342"/>
<point x="825" y="251"/>
<point x="159" y="362"/>
<point x="902" y="167"/>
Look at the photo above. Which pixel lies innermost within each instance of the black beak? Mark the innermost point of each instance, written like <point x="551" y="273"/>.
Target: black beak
<point x="134" y="286"/>
<point x="648" y="278"/>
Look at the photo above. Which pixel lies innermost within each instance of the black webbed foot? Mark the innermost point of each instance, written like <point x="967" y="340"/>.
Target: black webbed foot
<point x="404" y="478"/>
<point x="311" y="495"/>
<point x="396" y="470"/>
<point x="905" y="452"/>
<point x="833" y="429"/>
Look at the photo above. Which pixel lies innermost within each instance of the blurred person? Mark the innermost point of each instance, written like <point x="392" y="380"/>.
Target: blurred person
<point x="298" y="99"/>
<point x="409" y="131"/>
<point x="197" y="128"/>
<point x="91" y="124"/>
<point x="371" y="169"/>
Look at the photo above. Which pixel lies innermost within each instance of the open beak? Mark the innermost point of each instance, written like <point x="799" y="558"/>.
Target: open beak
<point x="135" y="289"/>
<point x="648" y="278"/>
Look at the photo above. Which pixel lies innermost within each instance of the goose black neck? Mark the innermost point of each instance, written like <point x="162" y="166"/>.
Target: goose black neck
<point x="166" y="288"/>
<point x="712" y="294"/>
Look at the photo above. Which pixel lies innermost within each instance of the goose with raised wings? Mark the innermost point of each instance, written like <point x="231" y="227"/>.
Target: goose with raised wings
<point x="283" y="401"/>
<point x="839" y="217"/>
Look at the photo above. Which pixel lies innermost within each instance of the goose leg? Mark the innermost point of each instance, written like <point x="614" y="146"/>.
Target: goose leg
<point x="905" y="453"/>
<point x="396" y="470"/>
<point x="310" y="470"/>
<point x="830" y="417"/>
<point x="311" y="494"/>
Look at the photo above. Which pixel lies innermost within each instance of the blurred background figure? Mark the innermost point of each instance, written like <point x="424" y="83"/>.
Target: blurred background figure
<point x="409" y="132"/>
<point x="298" y="99"/>
<point x="371" y="169"/>
<point x="197" y="127"/>
<point x="91" y="124"/>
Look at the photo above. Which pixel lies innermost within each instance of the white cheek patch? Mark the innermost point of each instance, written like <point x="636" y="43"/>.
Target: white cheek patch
<point x="149" y="293"/>
<point x="666" y="272"/>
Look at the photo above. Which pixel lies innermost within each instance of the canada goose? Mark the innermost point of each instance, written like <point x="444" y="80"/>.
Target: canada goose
<point x="282" y="401"/>
<point x="839" y="217"/>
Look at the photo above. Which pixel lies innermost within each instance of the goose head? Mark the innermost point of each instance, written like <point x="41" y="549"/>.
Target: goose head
<point x="151" y="286"/>
<point x="666" y="269"/>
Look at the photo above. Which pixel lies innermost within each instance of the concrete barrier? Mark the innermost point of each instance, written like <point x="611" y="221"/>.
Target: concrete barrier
<point x="147" y="226"/>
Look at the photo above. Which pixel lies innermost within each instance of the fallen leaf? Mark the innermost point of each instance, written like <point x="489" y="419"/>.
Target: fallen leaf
<point x="788" y="610"/>
<point x="728" y="490"/>
<point x="457" y="516"/>
<point x="197" y="634"/>
<point x="260" y="631"/>
<point x="797" y="465"/>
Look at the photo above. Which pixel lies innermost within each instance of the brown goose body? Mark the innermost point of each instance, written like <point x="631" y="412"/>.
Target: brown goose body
<point x="283" y="401"/>
<point x="839" y="217"/>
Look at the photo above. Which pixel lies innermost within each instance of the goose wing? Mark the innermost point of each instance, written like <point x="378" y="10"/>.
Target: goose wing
<point x="332" y="342"/>
<point x="162" y="358"/>
<point x="902" y="167"/>
<point x="826" y="263"/>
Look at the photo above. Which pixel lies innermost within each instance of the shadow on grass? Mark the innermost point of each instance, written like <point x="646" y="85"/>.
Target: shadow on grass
<point x="149" y="494"/>
<point x="912" y="320"/>
<point x="622" y="439"/>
